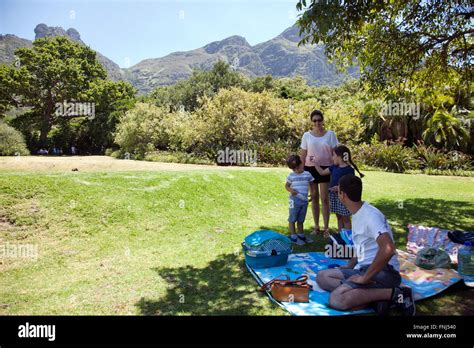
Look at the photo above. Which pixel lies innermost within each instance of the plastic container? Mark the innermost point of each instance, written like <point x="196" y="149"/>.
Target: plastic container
<point x="466" y="263"/>
<point x="265" y="249"/>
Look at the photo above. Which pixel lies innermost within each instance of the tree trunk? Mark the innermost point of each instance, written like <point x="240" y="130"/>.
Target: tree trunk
<point x="46" y="124"/>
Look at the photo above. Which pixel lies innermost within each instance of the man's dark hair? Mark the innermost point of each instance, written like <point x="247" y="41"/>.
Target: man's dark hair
<point x="351" y="185"/>
<point x="293" y="162"/>
<point x="316" y="113"/>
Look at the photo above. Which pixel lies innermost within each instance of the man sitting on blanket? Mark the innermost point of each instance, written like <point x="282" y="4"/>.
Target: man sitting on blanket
<point x="373" y="276"/>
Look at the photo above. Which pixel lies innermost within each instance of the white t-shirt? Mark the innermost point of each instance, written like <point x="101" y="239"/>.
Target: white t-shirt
<point x="319" y="148"/>
<point x="368" y="223"/>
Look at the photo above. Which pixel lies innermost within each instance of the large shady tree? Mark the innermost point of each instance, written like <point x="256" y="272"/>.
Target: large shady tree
<point x="406" y="49"/>
<point x="54" y="71"/>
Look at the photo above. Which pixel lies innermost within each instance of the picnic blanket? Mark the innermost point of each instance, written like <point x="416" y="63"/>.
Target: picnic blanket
<point x="420" y="237"/>
<point x="425" y="283"/>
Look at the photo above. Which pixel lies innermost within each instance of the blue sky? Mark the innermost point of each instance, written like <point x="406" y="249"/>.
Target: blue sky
<point x="129" y="31"/>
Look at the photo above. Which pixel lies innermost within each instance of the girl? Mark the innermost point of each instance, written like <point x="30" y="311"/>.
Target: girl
<point x="343" y="165"/>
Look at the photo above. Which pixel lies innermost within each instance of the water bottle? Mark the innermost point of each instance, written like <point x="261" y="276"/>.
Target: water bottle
<point x="466" y="263"/>
<point x="302" y="197"/>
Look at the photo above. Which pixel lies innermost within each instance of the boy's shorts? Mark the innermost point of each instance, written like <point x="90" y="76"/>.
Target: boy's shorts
<point x="298" y="208"/>
<point x="388" y="277"/>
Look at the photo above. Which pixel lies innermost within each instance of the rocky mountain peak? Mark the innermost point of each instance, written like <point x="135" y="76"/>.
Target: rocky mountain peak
<point x="234" y="40"/>
<point x="42" y="30"/>
<point x="291" y="34"/>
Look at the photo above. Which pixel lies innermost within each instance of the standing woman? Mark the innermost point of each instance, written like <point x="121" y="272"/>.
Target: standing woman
<point x="316" y="148"/>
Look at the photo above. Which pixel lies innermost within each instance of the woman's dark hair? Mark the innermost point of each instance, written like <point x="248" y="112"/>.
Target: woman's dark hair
<point x="351" y="185"/>
<point x="344" y="152"/>
<point x="316" y="113"/>
<point x="293" y="162"/>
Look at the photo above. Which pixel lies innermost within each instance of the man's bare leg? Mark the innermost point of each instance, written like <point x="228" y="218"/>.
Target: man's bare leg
<point x="344" y="297"/>
<point x="329" y="279"/>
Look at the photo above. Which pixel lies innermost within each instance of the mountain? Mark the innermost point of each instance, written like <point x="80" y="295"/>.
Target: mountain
<point x="9" y="43"/>
<point x="42" y="30"/>
<point x="167" y="70"/>
<point x="279" y="57"/>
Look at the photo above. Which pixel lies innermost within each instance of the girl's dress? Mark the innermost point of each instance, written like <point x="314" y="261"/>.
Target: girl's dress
<point x="336" y="205"/>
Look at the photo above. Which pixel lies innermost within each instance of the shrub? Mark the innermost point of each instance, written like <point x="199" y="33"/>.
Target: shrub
<point x="396" y="158"/>
<point x="435" y="159"/>
<point x="274" y="153"/>
<point x="461" y="161"/>
<point x="391" y="157"/>
<point x="238" y="119"/>
<point x="432" y="158"/>
<point x="11" y="141"/>
<point x="141" y="130"/>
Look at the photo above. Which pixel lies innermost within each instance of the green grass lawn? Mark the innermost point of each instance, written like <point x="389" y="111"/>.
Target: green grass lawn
<point x="168" y="243"/>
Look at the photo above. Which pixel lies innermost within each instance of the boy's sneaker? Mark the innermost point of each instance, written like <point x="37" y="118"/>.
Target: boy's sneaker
<point x="403" y="298"/>
<point x="296" y="240"/>
<point x="302" y="239"/>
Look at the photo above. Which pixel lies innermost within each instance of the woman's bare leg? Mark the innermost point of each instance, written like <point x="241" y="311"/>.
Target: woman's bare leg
<point x="315" y="210"/>
<point x="324" y="194"/>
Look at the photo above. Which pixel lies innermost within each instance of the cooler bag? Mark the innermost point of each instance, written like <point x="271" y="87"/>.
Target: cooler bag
<point x="265" y="249"/>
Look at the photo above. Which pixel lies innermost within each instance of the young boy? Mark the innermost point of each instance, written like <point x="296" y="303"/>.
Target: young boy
<point x="298" y="184"/>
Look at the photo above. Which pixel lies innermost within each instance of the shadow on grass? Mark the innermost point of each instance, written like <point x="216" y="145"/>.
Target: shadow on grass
<point x="224" y="287"/>
<point x="427" y="212"/>
<point x="458" y="299"/>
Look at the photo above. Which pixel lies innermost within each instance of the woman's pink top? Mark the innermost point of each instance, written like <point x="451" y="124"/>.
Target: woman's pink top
<point x="319" y="148"/>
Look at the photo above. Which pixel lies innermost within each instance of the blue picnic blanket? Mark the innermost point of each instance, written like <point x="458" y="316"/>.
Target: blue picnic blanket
<point x="425" y="283"/>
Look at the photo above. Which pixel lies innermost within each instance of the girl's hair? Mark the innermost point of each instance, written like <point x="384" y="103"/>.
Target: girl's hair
<point x="344" y="152"/>
<point x="316" y="113"/>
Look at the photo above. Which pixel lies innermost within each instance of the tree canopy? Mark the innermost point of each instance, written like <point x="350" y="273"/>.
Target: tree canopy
<point x="55" y="71"/>
<point x="392" y="40"/>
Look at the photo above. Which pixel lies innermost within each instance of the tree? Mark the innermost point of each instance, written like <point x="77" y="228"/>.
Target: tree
<point x="261" y="84"/>
<point x="186" y="94"/>
<point x="392" y="40"/>
<point x="54" y="70"/>
<point x="112" y="100"/>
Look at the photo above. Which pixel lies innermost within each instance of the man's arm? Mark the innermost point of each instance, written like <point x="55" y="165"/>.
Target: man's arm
<point x="384" y="254"/>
